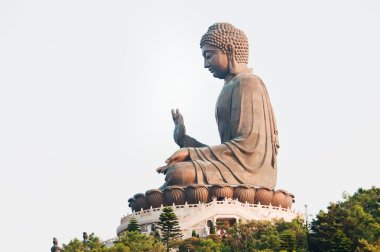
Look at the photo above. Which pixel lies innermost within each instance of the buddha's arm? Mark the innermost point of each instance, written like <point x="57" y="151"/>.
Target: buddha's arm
<point x="179" y="134"/>
<point x="192" y="142"/>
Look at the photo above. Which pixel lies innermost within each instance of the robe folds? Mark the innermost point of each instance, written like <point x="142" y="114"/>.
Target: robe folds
<point x="249" y="139"/>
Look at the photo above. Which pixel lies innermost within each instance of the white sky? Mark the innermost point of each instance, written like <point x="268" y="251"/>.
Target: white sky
<point x="86" y="89"/>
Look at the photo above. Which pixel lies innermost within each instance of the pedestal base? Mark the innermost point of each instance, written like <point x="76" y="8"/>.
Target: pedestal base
<point x="197" y="217"/>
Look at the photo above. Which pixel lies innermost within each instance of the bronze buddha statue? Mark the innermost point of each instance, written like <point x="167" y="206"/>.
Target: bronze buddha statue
<point x="246" y="122"/>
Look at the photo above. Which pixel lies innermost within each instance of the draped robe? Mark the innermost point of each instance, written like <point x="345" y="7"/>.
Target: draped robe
<point x="249" y="142"/>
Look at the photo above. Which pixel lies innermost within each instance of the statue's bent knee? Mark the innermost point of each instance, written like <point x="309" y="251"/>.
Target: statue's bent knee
<point x="181" y="174"/>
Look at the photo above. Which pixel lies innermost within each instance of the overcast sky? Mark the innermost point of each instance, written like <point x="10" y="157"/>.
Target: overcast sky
<point x="86" y="89"/>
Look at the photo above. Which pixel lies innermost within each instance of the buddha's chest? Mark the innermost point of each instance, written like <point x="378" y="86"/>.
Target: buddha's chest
<point x="223" y="112"/>
<point x="223" y="105"/>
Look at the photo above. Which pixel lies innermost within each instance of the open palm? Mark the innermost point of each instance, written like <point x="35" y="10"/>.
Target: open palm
<point x="179" y="129"/>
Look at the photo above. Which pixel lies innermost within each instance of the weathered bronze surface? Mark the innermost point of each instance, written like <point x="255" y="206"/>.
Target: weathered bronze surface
<point x="141" y="201"/>
<point x="155" y="198"/>
<point x="174" y="195"/>
<point x="245" y="119"/>
<point x="245" y="193"/>
<point x="194" y="194"/>
<point x="221" y="192"/>
<point x="263" y="196"/>
<point x="279" y="198"/>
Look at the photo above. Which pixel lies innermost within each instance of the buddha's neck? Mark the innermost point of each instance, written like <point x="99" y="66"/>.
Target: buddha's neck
<point x="239" y="68"/>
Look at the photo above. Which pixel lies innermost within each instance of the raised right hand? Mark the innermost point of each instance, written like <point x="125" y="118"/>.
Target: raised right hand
<point x="179" y="129"/>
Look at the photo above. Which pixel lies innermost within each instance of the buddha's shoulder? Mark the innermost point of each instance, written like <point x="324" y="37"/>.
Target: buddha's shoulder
<point x="249" y="77"/>
<point x="249" y="80"/>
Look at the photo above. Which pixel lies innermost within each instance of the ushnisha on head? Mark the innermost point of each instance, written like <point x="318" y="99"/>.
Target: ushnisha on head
<point x="223" y="35"/>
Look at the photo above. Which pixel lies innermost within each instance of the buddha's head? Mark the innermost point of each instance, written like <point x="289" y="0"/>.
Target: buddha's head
<point x="55" y="241"/>
<point x="225" y="50"/>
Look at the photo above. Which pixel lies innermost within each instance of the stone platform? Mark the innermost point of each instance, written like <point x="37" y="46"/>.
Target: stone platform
<point x="198" y="217"/>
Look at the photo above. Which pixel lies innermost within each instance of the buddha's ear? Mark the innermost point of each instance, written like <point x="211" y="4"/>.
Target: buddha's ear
<point x="231" y="58"/>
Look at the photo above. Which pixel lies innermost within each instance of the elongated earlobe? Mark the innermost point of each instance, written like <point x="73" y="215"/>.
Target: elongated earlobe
<point x="231" y="59"/>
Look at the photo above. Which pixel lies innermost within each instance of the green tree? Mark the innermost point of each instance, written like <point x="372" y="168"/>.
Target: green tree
<point x="138" y="242"/>
<point x="266" y="236"/>
<point x="189" y="245"/>
<point x="169" y="227"/>
<point x="196" y="244"/>
<point x="294" y="234"/>
<point x="253" y="236"/>
<point x="74" y="246"/>
<point x="288" y="241"/>
<point x="352" y="224"/>
<point x="117" y="248"/>
<point x="93" y="244"/>
<point x="133" y="225"/>
<point x="208" y="245"/>
<point x="340" y="242"/>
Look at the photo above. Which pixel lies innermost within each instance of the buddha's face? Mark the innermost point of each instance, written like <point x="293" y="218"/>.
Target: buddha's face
<point x="216" y="61"/>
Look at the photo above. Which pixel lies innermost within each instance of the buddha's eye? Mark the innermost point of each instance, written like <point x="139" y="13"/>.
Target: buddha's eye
<point x="208" y="55"/>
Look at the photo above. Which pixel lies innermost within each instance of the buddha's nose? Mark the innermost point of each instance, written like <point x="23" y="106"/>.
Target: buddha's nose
<point x="206" y="64"/>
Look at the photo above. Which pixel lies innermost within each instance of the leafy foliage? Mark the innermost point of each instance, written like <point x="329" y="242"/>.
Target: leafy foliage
<point x="136" y="242"/>
<point x="349" y="225"/>
<point x="93" y="244"/>
<point x="265" y="235"/>
<point x="133" y="225"/>
<point x="190" y="244"/>
<point x="252" y="236"/>
<point x="199" y="244"/>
